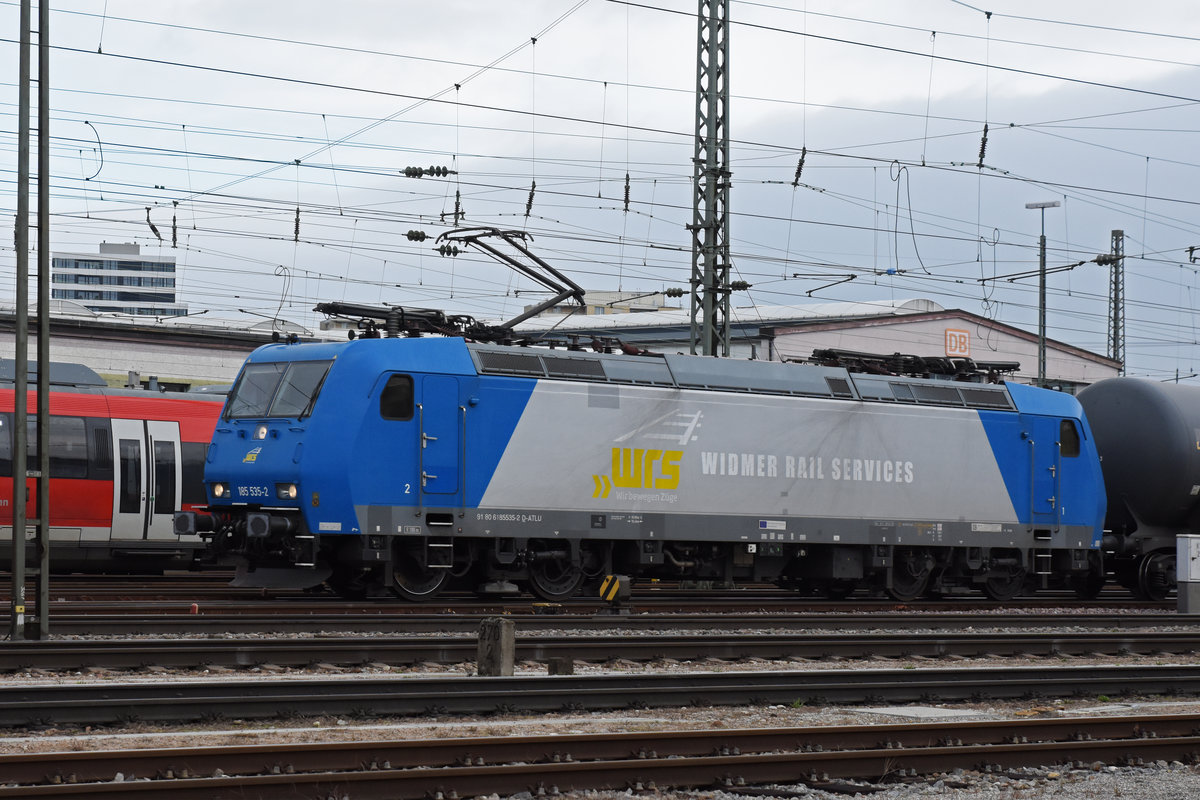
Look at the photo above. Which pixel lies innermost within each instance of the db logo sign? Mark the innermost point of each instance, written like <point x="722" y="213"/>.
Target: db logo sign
<point x="958" y="343"/>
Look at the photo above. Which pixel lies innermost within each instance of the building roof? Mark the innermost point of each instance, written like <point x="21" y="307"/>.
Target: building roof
<point x="939" y="314"/>
<point x="73" y="312"/>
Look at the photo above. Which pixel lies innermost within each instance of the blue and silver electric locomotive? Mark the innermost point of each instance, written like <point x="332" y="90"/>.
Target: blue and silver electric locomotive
<point x="421" y="463"/>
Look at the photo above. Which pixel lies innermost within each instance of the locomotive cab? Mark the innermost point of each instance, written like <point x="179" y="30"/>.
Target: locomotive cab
<point x="254" y="518"/>
<point x="317" y="449"/>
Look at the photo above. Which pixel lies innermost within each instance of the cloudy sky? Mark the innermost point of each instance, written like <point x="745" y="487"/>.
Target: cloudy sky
<point x="223" y="118"/>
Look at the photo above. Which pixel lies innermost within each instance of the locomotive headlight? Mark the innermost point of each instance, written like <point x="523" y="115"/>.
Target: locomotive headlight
<point x="220" y="490"/>
<point x="260" y="432"/>
<point x="286" y="491"/>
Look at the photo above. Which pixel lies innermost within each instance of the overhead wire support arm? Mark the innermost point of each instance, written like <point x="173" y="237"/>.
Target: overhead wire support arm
<point x="846" y="279"/>
<point x="1016" y="276"/>
<point x="1104" y="259"/>
<point x="563" y="287"/>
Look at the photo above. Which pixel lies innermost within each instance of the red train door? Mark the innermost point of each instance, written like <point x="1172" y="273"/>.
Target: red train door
<point x="147" y="476"/>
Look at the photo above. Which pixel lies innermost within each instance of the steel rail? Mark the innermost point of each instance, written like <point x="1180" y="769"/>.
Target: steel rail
<point x="243" y="601"/>
<point x="358" y="650"/>
<point x="255" y="620"/>
<point x="106" y="702"/>
<point x="660" y="759"/>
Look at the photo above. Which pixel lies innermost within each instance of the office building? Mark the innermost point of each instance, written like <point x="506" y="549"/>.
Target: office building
<point x="119" y="279"/>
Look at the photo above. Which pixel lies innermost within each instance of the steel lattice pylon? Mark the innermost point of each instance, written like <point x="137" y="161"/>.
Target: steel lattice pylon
<point x="1116" y="322"/>
<point x="710" y="203"/>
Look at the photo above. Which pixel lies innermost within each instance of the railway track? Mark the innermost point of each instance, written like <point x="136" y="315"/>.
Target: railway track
<point x="166" y="593"/>
<point x="290" y="621"/>
<point x="146" y="604"/>
<point x="356" y="651"/>
<point x="360" y="696"/>
<point x="822" y="758"/>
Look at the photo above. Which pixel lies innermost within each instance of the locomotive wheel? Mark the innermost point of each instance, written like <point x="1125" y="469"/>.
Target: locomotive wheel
<point x="554" y="579"/>
<point x="414" y="582"/>
<point x="1005" y="587"/>
<point x="911" y="570"/>
<point x="1156" y="575"/>
<point x="557" y="578"/>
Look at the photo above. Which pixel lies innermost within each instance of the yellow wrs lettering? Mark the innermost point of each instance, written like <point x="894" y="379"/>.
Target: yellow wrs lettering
<point x="633" y="468"/>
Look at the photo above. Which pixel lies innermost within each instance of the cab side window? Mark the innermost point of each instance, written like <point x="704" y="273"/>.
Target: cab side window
<point x="1068" y="438"/>
<point x="396" y="400"/>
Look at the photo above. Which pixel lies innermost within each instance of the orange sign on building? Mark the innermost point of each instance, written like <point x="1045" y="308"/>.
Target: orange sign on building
<point x="958" y="343"/>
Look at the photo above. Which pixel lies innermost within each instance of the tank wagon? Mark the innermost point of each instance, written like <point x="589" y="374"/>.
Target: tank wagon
<point x="122" y="462"/>
<point x="1148" y="436"/>
<point x="420" y="463"/>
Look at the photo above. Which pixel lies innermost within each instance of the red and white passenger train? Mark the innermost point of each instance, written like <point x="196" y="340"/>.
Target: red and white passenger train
<point x="122" y="462"/>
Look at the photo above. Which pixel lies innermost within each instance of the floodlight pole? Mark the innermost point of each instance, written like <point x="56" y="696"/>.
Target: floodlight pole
<point x="1041" y="378"/>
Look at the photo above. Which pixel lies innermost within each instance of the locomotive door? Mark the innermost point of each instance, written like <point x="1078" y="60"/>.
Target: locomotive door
<point x="1046" y="468"/>
<point x="440" y="438"/>
<point x="147" y="475"/>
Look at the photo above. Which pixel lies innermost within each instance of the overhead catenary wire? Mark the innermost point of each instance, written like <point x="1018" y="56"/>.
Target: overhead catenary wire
<point x="560" y="195"/>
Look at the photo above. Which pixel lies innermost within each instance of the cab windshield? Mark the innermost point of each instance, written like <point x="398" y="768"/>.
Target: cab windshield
<point x="277" y="389"/>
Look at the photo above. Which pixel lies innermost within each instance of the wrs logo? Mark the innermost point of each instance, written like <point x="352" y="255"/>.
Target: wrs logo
<point x="252" y="456"/>
<point x="636" y="468"/>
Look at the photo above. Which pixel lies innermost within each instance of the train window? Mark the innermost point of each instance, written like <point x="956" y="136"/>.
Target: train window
<point x="396" y="400"/>
<point x="130" y="451"/>
<point x="164" y="477"/>
<point x="299" y="388"/>
<point x="6" y="444"/>
<point x="277" y="389"/>
<point x="68" y="447"/>
<point x="251" y="396"/>
<point x="101" y="457"/>
<point x="192" y="454"/>
<point x="1068" y="438"/>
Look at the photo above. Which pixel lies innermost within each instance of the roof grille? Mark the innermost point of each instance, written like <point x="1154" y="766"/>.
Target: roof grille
<point x="510" y="363"/>
<point x="559" y="367"/>
<point x="840" y="387"/>
<point x="985" y="398"/>
<point x="941" y="395"/>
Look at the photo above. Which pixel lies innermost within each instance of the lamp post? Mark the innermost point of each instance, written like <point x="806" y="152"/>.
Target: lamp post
<point x="1041" y="378"/>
